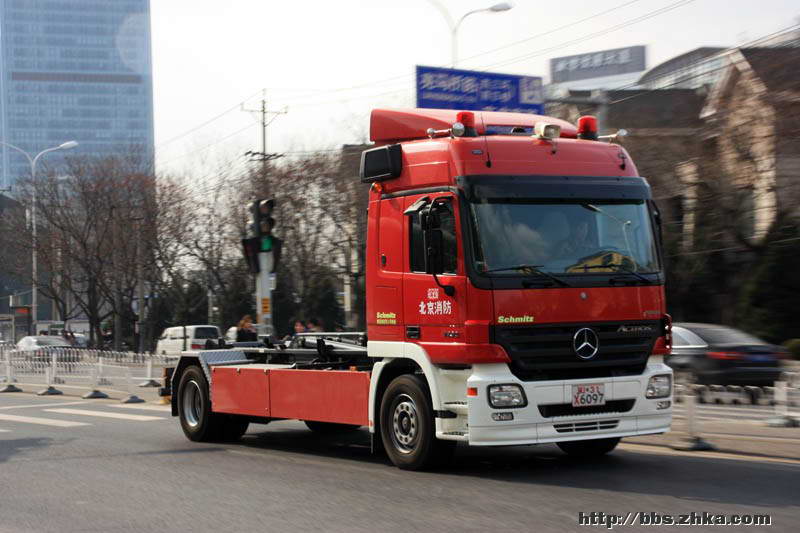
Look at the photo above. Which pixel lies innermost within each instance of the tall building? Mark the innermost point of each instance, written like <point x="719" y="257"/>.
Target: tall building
<point x="74" y="70"/>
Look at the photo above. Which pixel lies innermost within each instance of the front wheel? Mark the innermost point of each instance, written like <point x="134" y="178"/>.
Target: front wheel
<point x="407" y="425"/>
<point x="588" y="448"/>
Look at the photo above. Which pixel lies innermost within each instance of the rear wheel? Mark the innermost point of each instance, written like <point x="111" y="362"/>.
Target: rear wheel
<point x="329" y="428"/>
<point x="198" y="422"/>
<point x="588" y="448"/>
<point x="407" y="425"/>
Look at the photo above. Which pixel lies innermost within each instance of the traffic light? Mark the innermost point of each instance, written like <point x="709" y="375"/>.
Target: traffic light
<point x="259" y="234"/>
<point x="265" y="223"/>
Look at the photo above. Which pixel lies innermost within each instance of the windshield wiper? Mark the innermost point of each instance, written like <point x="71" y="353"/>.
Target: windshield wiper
<point x="531" y="269"/>
<point x="620" y="267"/>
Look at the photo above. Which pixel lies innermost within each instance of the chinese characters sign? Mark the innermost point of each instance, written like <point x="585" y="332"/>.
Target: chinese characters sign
<point x="598" y="64"/>
<point x="435" y="306"/>
<point x="444" y="88"/>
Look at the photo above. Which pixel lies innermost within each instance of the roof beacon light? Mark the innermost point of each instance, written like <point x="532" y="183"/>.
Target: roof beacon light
<point x="467" y="118"/>
<point x="587" y="128"/>
<point x="464" y="124"/>
<point x="546" y="131"/>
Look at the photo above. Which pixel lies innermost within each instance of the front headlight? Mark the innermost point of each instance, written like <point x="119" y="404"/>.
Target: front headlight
<point x="659" y="386"/>
<point x="503" y="396"/>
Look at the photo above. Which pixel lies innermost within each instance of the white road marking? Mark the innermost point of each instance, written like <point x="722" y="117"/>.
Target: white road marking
<point x="146" y="407"/>
<point x="5" y="430"/>
<point x="104" y="414"/>
<point x="42" y="421"/>
<point x="42" y="405"/>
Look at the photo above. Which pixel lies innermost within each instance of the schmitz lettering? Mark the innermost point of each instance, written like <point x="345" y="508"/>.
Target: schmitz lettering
<point x="386" y="318"/>
<point x="514" y="319"/>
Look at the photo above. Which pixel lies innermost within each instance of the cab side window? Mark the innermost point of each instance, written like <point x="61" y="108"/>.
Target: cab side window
<point x="417" y="240"/>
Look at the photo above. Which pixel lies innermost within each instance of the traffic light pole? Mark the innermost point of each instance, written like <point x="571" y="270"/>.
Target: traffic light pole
<point x="262" y="251"/>
<point x="264" y="293"/>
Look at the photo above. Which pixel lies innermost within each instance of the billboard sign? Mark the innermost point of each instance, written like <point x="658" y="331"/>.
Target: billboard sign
<point x="598" y="64"/>
<point x="446" y="88"/>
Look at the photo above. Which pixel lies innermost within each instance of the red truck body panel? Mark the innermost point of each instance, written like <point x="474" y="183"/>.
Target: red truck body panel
<point x="240" y="391"/>
<point x="320" y="395"/>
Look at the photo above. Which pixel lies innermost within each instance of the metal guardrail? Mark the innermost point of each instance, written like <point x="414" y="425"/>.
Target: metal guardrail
<point x="784" y="396"/>
<point x="81" y="368"/>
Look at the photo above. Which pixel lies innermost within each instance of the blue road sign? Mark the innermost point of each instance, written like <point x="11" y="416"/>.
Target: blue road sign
<point x="446" y="88"/>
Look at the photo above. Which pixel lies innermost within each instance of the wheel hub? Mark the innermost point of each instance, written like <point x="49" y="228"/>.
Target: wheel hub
<point x="405" y="424"/>
<point x="192" y="404"/>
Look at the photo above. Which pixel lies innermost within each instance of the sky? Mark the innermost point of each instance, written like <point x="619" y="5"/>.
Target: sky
<point x="325" y="64"/>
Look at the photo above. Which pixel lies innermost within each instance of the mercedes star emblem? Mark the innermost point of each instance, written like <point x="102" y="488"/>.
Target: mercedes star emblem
<point x="585" y="343"/>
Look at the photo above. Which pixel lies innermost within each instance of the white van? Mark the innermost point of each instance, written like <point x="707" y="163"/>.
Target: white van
<point x="171" y="340"/>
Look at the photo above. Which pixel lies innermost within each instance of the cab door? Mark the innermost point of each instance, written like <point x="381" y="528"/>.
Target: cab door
<point x="431" y="315"/>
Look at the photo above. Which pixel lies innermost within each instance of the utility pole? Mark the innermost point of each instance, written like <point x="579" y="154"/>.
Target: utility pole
<point x="141" y="308"/>
<point x="267" y="117"/>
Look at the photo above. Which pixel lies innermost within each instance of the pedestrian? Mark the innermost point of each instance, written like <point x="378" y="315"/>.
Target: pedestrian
<point x="300" y="326"/>
<point x="314" y="325"/>
<point x="245" y="331"/>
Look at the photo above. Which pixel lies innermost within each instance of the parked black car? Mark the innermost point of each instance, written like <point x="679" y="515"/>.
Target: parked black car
<point x="711" y="354"/>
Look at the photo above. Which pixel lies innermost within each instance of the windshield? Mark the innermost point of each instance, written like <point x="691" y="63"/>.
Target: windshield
<point x="206" y="333"/>
<point x="563" y="237"/>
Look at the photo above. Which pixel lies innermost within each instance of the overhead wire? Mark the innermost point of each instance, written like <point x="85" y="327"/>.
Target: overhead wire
<point x="616" y="27"/>
<point x="529" y="55"/>
<point x="209" y="121"/>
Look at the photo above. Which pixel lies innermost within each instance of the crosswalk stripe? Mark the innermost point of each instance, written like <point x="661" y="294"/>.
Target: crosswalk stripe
<point x="105" y="414"/>
<point x="41" y="421"/>
<point x="5" y="430"/>
<point x="146" y="407"/>
<point x="29" y="405"/>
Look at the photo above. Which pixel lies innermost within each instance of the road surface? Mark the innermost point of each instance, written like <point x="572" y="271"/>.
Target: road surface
<point x="68" y="464"/>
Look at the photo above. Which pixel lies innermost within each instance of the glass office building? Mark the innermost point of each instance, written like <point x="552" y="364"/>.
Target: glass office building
<point x="74" y="70"/>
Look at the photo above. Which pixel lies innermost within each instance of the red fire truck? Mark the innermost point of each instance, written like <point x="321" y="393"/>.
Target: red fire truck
<point x="515" y="295"/>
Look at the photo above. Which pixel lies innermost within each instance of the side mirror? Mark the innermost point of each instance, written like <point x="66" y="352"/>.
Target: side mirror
<point x="659" y="222"/>
<point x="432" y="239"/>
<point x="434" y="247"/>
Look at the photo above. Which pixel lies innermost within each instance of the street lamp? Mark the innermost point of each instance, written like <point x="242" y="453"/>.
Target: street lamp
<point x="34" y="267"/>
<point x="496" y="8"/>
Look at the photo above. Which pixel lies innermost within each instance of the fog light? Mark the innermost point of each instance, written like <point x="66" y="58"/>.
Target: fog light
<point x="507" y="396"/>
<point x="659" y="386"/>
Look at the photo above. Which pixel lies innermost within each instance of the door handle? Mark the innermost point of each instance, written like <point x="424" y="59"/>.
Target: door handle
<point x="413" y="332"/>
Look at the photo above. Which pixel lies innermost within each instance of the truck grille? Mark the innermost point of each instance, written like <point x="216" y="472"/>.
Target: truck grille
<point x="566" y="409"/>
<point x="545" y="352"/>
<point x="571" y="427"/>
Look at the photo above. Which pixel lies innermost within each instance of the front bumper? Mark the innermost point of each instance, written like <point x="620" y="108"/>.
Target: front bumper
<point x="531" y="426"/>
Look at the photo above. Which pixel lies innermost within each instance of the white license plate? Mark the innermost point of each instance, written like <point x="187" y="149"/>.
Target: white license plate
<point x="588" y="395"/>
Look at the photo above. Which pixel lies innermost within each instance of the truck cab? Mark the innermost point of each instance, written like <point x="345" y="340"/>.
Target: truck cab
<point x="521" y="272"/>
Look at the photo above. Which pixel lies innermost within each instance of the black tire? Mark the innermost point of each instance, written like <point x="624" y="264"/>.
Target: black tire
<point x="586" y="449"/>
<point x="330" y="428"/>
<point x="233" y="428"/>
<point x="407" y="426"/>
<point x="199" y="424"/>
